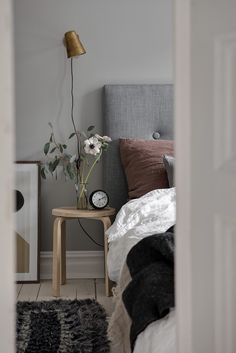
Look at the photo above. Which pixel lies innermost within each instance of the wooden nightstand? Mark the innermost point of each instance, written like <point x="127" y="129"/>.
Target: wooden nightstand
<point x="59" y="242"/>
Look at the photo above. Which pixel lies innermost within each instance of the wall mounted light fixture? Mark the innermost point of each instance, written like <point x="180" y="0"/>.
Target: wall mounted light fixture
<point x="73" y="44"/>
<point x="74" y="48"/>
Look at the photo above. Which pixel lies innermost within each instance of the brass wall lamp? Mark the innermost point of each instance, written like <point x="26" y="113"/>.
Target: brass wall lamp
<point x="74" y="48"/>
<point x="73" y="44"/>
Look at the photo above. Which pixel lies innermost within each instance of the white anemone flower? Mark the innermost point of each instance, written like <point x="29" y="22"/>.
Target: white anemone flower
<point x="98" y="137"/>
<point x="103" y="138"/>
<point x="106" y="138"/>
<point x="92" y="146"/>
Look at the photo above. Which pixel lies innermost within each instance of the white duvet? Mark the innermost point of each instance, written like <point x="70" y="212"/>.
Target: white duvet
<point x="151" y="214"/>
<point x="158" y="337"/>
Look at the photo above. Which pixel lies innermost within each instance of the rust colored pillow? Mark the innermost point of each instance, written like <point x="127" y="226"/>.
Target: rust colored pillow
<point x="142" y="161"/>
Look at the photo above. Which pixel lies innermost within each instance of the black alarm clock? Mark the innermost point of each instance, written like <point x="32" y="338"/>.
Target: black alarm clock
<point x="99" y="199"/>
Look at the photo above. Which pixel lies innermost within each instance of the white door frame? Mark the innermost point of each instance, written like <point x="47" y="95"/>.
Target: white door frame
<point x="205" y="128"/>
<point x="183" y="176"/>
<point x="7" y="297"/>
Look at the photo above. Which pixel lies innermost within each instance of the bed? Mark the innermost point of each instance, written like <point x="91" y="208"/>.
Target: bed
<point x="136" y="112"/>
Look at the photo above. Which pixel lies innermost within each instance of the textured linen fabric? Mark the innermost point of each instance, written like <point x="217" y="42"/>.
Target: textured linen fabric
<point x="169" y="163"/>
<point x="133" y="111"/>
<point x="152" y="213"/>
<point x="143" y="165"/>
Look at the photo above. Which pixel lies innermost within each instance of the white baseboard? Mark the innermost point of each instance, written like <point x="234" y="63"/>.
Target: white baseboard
<point x="79" y="264"/>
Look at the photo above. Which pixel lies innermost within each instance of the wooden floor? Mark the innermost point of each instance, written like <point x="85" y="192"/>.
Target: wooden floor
<point x="74" y="288"/>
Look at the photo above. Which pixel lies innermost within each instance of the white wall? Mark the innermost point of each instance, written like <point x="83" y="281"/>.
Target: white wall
<point x="127" y="41"/>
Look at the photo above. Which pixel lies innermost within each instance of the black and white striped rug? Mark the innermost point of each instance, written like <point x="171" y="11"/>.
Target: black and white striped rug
<point x="61" y="326"/>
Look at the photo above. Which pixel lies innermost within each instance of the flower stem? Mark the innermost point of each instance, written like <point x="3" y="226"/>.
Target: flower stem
<point x="89" y="173"/>
<point x="82" y="173"/>
<point x="54" y="140"/>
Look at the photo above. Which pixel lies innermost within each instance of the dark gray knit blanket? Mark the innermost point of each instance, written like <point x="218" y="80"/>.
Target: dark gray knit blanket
<point x="150" y="294"/>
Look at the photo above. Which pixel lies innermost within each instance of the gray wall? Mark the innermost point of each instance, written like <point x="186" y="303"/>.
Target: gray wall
<point x="127" y="41"/>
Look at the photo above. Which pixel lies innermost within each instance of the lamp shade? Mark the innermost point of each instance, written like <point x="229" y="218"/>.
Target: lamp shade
<point x="73" y="44"/>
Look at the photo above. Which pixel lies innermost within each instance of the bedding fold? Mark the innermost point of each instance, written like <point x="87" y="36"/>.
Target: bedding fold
<point x="150" y="294"/>
<point x="145" y="292"/>
<point x="152" y="213"/>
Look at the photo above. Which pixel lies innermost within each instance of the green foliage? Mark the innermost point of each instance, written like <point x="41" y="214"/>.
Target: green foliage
<point x="53" y="149"/>
<point x="76" y="166"/>
<point x="43" y="173"/>
<point x="60" y="148"/>
<point x="70" y="171"/>
<point x="72" y="135"/>
<point x="46" y="148"/>
<point x="55" y="163"/>
<point x="105" y="146"/>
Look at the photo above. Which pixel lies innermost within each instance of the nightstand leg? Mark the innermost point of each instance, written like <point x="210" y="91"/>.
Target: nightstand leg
<point x="108" y="283"/>
<point x="56" y="270"/>
<point x="63" y="253"/>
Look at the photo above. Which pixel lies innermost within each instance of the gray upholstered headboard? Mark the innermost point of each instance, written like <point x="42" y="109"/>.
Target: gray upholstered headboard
<point x="133" y="111"/>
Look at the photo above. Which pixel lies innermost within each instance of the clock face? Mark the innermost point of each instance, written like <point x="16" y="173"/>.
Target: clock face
<point x="99" y="199"/>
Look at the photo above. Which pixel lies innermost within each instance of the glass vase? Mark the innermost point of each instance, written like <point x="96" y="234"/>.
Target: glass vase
<point x="82" y="197"/>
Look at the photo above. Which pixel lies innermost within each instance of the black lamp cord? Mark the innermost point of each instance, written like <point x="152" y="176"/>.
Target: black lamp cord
<point x="78" y="142"/>
<point x="89" y="236"/>
<point x="72" y="104"/>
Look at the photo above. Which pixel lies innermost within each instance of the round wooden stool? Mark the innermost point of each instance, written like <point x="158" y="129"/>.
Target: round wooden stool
<point x="59" y="242"/>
